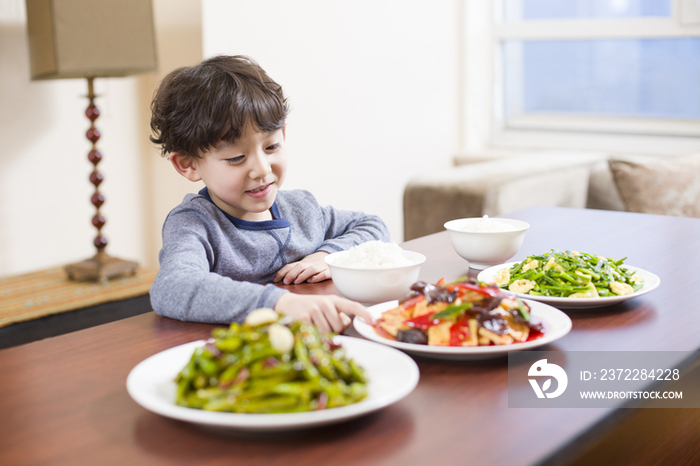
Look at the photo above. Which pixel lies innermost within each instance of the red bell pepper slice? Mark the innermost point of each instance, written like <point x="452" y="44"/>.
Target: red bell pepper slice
<point x="408" y="304"/>
<point x="489" y="291"/>
<point x="422" y="322"/>
<point x="459" y="332"/>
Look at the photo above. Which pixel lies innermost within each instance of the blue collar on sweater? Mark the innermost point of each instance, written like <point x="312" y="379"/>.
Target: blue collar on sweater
<point x="276" y="221"/>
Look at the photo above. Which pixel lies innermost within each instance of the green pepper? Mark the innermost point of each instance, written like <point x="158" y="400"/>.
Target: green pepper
<point x="523" y="309"/>
<point x="453" y="311"/>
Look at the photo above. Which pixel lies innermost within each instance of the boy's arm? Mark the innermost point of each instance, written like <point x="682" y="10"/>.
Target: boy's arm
<point x="196" y="296"/>
<point x="310" y="269"/>
<point x="185" y="289"/>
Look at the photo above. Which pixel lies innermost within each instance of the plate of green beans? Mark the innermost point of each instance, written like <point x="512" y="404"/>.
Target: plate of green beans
<point x="248" y="377"/>
<point x="571" y="279"/>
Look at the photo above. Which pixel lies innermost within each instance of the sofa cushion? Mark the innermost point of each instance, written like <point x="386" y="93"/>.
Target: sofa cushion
<point x="560" y="187"/>
<point x="664" y="186"/>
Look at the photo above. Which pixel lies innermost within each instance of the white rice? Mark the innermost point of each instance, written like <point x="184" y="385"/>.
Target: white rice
<point x="485" y="225"/>
<point x="372" y="255"/>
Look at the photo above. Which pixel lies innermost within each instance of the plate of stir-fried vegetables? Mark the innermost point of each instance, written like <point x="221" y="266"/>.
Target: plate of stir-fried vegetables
<point x="463" y="319"/>
<point x="572" y="279"/>
<point x="271" y="374"/>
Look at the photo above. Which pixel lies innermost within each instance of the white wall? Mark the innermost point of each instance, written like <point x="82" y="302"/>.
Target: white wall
<point x="372" y="85"/>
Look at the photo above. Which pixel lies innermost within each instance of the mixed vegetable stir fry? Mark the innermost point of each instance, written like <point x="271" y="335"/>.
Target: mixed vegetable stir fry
<point x="461" y="313"/>
<point x="269" y="365"/>
<point x="569" y="274"/>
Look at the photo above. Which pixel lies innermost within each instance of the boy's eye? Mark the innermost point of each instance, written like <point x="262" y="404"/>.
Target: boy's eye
<point x="235" y="160"/>
<point x="273" y="147"/>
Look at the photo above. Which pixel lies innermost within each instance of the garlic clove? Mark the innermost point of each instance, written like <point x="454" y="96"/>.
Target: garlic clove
<point x="281" y="338"/>
<point x="261" y="316"/>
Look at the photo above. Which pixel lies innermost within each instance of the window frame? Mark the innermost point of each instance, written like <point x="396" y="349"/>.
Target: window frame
<point x="606" y="133"/>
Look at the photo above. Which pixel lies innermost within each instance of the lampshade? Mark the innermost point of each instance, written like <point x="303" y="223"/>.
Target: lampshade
<point x="97" y="38"/>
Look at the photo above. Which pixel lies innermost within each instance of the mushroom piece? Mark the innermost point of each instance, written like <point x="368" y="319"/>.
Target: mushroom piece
<point x="412" y="335"/>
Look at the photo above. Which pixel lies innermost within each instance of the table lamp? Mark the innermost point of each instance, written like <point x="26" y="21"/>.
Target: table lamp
<point x="92" y="39"/>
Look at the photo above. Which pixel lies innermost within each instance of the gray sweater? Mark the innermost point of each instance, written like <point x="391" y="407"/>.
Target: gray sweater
<point x="213" y="267"/>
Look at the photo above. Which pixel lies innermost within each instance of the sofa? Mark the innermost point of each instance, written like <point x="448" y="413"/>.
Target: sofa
<point x="666" y="185"/>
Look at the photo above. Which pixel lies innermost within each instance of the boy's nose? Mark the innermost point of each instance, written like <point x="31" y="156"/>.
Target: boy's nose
<point x="261" y="167"/>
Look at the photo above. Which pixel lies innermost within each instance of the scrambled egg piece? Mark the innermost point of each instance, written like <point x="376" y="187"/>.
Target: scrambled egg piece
<point x="392" y="328"/>
<point x="420" y="309"/>
<point x="531" y="264"/>
<point x="507" y="304"/>
<point x="551" y="263"/>
<point x="439" y="335"/>
<point x="521" y="286"/>
<point x="392" y="321"/>
<point x="503" y="276"/>
<point x="487" y="336"/>
<point x="518" y="331"/>
<point x="621" y="288"/>
<point x="472" y="339"/>
<point x="423" y="308"/>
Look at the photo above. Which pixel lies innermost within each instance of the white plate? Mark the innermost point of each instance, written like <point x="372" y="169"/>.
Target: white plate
<point x="651" y="281"/>
<point x="391" y="376"/>
<point x="556" y="324"/>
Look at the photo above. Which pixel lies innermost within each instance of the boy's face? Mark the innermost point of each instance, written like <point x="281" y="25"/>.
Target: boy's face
<point x="242" y="178"/>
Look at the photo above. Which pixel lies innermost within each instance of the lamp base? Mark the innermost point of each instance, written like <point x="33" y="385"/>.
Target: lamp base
<point x="101" y="267"/>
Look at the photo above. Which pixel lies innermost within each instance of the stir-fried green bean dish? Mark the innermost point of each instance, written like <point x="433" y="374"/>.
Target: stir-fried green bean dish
<point x="270" y="364"/>
<point x="569" y="274"/>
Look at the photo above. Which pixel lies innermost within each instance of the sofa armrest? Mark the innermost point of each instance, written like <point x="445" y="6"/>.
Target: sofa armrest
<point x="427" y="206"/>
<point x="494" y="187"/>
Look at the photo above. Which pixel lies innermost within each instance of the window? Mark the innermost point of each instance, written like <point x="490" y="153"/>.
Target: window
<point x="518" y="10"/>
<point x="656" y="78"/>
<point x="596" y="67"/>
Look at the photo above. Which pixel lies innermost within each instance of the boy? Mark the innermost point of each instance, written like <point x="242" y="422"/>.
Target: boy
<point x="223" y="122"/>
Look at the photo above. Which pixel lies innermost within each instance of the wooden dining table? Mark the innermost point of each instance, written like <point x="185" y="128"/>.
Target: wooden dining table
<point x="63" y="400"/>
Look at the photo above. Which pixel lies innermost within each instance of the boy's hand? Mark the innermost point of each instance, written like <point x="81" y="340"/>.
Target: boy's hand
<point x="311" y="269"/>
<point x="328" y="312"/>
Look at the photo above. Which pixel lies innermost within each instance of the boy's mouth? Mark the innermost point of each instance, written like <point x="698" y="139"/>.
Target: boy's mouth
<point x="261" y="191"/>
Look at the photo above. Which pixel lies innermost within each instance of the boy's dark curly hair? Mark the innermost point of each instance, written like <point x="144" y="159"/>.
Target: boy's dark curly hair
<point x="197" y="107"/>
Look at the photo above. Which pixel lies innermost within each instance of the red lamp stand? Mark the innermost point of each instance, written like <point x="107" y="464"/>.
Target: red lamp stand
<point x="102" y="266"/>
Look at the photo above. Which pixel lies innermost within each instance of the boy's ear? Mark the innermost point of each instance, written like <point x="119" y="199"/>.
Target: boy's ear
<point x="184" y="166"/>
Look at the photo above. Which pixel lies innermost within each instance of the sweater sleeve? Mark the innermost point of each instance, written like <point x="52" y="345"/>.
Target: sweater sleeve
<point x="186" y="289"/>
<point x="345" y="229"/>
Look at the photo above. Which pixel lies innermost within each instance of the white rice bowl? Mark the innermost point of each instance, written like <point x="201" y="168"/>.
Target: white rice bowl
<point x="374" y="272"/>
